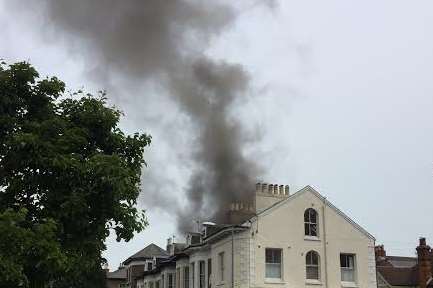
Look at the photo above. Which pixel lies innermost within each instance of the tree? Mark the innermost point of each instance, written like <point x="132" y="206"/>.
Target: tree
<point x="68" y="175"/>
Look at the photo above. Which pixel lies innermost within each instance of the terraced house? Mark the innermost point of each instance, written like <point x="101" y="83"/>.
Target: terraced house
<point x="282" y="240"/>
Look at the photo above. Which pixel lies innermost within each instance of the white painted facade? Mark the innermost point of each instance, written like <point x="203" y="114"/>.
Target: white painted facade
<point x="280" y="230"/>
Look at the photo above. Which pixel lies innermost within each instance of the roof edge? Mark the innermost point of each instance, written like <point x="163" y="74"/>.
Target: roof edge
<point x="308" y="188"/>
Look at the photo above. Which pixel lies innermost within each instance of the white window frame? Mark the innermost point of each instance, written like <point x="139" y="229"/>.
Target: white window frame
<point x="146" y="265"/>
<point x="269" y="264"/>
<point x="178" y="277"/>
<point x="171" y="279"/>
<point x="347" y="283"/>
<point x="308" y="222"/>
<point x="192" y="274"/>
<point x="221" y="266"/>
<point x="186" y="277"/>
<point x="202" y="274"/>
<point x="309" y="255"/>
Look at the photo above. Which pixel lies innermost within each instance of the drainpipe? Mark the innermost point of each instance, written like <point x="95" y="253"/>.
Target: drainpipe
<point x="324" y="243"/>
<point x="233" y="265"/>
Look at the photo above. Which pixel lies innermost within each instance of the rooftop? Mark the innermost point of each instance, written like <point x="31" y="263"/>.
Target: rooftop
<point x="148" y="252"/>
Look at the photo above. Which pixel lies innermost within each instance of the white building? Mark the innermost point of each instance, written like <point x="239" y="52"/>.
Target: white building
<point x="298" y="240"/>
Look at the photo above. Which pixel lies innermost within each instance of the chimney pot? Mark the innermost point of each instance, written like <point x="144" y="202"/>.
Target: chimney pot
<point x="422" y="241"/>
<point x="271" y="189"/>
<point x="264" y="188"/>
<point x="286" y="190"/>
<point x="276" y="189"/>
<point x="281" y="189"/>
<point x="258" y="186"/>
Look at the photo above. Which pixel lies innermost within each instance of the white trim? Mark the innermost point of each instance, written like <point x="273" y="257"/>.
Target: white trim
<point x="324" y="200"/>
<point x="311" y="238"/>
<point x="313" y="282"/>
<point x="349" y="284"/>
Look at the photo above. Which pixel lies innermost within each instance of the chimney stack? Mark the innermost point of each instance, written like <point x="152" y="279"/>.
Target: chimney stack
<point x="380" y="252"/>
<point x="424" y="265"/>
<point x="170" y="244"/>
<point x="269" y="194"/>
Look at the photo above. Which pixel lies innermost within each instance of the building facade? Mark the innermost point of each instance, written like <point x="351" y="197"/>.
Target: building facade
<point x="298" y="240"/>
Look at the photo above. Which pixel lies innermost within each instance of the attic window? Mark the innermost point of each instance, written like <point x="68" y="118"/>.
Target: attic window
<point x="310" y="222"/>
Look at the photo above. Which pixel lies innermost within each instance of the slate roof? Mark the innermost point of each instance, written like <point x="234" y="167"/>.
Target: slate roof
<point x="401" y="262"/>
<point x="118" y="274"/>
<point x="402" y="276"/>
<point x="148" y="252"/>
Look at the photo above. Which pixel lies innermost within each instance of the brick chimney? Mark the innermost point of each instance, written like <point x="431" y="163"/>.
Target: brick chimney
<point x="424" y="265"/>
<point x="380" y="252"/>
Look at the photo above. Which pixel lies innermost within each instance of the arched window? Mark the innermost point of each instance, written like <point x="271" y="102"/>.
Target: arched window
<point x="310" y="219"/>
<point x="312" y="265"/>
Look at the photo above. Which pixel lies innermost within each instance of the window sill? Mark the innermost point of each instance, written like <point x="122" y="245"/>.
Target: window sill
<point x="349" y="284"/>
<point x="222" y="283"/>
<point x="313" y="282"/>
<point x="311" y="238"/>
<point x="274" y="281"/>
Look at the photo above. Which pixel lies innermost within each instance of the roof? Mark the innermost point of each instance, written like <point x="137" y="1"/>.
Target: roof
<point x="118" y="274"/>
<point x="169" y="262"/>
<point x="402" y="262"/>
<point x="148" y="252"/>
<point x="398" y="276"/>
<point x="324" y="200"/>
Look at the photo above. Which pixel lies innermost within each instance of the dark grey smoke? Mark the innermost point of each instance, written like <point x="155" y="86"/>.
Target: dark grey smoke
<point x="165" y="41"/>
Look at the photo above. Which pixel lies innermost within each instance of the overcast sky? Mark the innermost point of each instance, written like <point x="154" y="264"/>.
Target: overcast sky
<point x="343" y="100"/>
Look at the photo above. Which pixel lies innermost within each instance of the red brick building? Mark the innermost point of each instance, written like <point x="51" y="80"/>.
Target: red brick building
<point x="396" y="271"/>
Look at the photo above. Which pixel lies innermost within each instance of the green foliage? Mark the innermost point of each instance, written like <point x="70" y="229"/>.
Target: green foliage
<point x="68" y="175"/>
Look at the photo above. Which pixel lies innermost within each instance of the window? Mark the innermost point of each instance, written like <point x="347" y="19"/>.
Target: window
<point x="312" y="265"/>
<point x="162" y="281"/>
<point x="178" y="278"/>
<point x="186" y="277"/>
<point x="193" y="274"/>
<point x="221" y="265"/>
<point x="171" y="280"/>
<point x="157" y="284"/>
<point x="273" y="263"/>
<point x="149" y="266"/>
<point x="201" y="274"/>
<point x="209" y="272"/>
<point x="150" y="284"/>
<point x="347" y="264"/>
<point x="310" y="222"/>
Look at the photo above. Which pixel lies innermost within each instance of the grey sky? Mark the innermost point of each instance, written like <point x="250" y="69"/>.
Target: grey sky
<point x="342" y="97"/>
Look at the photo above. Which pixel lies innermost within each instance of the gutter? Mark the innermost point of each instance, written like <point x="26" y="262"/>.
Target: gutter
<point x="324" y="242"/>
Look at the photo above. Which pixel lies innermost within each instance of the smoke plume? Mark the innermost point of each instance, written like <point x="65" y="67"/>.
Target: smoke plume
<point x="166" y="41"/>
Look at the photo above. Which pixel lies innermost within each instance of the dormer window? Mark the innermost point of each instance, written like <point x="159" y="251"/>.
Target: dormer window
<point x="310" y="223"/>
